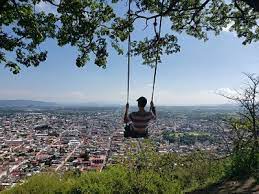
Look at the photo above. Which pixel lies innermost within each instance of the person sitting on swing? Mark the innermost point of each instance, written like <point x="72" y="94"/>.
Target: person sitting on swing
<point x="137" y="122"/>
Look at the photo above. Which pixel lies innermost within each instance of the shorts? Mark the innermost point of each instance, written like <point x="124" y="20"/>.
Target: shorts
<point x="129" y="132"/>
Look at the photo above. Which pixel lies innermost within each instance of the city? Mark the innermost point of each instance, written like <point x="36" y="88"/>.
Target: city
<point x="85" y="139"/>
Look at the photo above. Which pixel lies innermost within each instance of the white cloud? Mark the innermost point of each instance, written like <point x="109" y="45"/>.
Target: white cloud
<point x="225" y="91"/>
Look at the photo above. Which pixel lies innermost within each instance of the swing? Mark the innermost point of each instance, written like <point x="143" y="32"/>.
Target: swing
<point x="129" y="131"/>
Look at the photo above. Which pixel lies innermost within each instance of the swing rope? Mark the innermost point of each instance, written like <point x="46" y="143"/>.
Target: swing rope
<point x="157" y="53"/>
<point x="129" y="50"/>
<point x="158" y="34"/>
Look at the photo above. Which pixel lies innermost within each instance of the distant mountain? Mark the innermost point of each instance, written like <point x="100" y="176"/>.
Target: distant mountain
<point x="25" y="103"/>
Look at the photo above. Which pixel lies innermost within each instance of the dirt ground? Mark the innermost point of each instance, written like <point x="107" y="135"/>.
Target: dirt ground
<point x="247" y="186"/>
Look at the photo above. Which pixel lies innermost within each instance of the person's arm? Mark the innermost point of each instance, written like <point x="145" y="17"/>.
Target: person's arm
<point x="126" y="119"/>
<point x="152" y="109"/>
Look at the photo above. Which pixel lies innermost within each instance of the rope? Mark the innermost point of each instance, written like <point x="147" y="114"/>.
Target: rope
<point x="157" y="52"/>
<point x="129" y="50"/>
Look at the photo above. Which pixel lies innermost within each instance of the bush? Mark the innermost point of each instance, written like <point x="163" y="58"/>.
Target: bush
<point x="116" y="179"/>
<point x="244" y="162"/>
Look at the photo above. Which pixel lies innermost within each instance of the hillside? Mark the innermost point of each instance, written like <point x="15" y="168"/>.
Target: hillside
<point x="144" y="173"/>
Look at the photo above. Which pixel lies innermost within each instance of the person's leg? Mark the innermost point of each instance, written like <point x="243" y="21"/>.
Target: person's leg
<point x="140" y="135"/>
<point x="146" y="134"/>
<point x="132" y="132"/>
<point x="127" y="131"/>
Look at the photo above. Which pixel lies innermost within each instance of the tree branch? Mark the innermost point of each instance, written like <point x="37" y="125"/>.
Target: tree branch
<point x="52" y="3"/>
<point x="171" y="9"/>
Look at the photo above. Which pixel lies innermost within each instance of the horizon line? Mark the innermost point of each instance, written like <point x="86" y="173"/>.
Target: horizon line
<point x="101" y="103"/>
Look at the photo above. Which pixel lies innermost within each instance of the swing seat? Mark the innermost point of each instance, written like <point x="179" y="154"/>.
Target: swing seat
<point x="129" y="132"/>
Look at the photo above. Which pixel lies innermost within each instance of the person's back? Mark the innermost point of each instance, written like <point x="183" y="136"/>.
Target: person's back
<point x="138" y="122"/>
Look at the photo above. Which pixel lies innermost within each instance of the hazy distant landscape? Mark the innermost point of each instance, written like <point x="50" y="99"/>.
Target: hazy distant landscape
<point x="33" y="103"/>
<point x="99" y="128"/>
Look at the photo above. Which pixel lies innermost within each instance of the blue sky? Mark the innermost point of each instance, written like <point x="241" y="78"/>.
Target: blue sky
<point x="190" y="77"/>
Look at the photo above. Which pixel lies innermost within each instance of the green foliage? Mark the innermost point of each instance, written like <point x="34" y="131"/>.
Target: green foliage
<point x="94" y="26"/>
<point x="190" y="172"/>
<point x="42" y="183"/>
<point x="244" y="162"/>
<point x="186" y="138"/>
<point x="148" y="48"/>
<point x="116" y="179"/>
